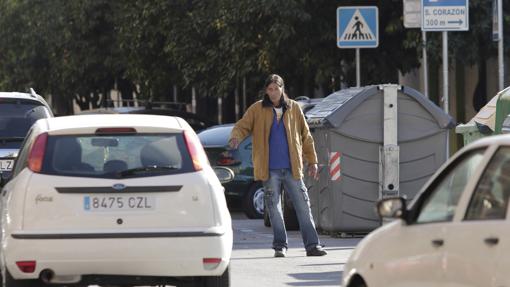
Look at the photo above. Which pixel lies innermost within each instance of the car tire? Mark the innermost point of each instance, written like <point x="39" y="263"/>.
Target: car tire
<point x="11" y="282"/>
<point x="289" y="214"/>
<point x="253" y="201"/>
<point x="357" y="282"/>
<point x="218" y="281"/>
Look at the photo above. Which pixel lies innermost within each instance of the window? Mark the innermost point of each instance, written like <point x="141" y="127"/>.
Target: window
<point x="490" y="198"/>
<point x="114" y="156"/>
<point x="17" y="116"/>
<point x="441" y="202"/>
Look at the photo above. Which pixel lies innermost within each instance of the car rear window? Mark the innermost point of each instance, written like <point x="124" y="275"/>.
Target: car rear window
<point x="17" y="116"/>
<point x="117" y="156"/>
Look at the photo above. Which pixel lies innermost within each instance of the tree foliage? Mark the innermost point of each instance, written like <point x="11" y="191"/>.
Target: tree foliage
<point x="81" y="49"/>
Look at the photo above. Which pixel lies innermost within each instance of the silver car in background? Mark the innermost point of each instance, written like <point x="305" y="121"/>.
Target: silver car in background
<point x="18" y="111"/>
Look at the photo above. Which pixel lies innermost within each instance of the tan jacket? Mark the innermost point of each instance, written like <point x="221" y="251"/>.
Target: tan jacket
<point x="257" y="121"/>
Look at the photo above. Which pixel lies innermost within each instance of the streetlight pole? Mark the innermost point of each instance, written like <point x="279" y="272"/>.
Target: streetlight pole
<point x="501" y="64"/>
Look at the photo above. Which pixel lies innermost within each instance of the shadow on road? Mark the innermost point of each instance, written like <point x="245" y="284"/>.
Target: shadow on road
<point x="316" y="279"/>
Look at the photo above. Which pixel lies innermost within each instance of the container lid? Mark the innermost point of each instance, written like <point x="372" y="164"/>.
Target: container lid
<point x="335" y="108"/>
<point x="487" y="115"/>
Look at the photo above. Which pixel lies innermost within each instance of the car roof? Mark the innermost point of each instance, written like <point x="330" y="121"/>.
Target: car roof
<point x="216" y="136"/>
<point x="197" y="122"/>
<point x="89" y="123"/>
<point x="223" y="126"/>
<point x="17" y="95"/>
<point x="25" y="96"/>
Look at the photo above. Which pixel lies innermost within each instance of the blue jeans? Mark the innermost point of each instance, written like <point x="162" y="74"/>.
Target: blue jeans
<point x="298" y="193"/>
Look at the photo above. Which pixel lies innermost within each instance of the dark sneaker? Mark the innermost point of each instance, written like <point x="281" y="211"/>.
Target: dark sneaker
<point x="316" y="251"/>
<point x="280" y="252"/>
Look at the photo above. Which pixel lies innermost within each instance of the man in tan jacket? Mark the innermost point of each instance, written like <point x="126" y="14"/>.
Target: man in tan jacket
<point x="281" y="139"/>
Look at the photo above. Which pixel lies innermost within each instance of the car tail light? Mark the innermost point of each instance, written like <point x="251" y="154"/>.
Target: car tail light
<point x="26" y="266"/>
<point x="109" y="131"/>
<point x="211" y="263"/>
<point x="226" y="158"/>
<point x="36" y="156"/>
<point x="195" y="150"/>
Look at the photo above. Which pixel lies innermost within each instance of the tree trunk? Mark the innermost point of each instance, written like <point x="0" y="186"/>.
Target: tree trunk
<point x="62" y="106"/>
<point x="126" y="89"/>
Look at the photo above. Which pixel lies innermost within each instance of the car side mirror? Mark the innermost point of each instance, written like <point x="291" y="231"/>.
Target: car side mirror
<point x="224" y="174"/>
<point x="392" y="207"/>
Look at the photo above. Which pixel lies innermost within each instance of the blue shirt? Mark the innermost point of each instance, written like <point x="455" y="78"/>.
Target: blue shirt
<point x="278" y="145"/>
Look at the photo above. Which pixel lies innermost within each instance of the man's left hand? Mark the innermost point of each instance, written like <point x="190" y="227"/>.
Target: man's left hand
<point x="312" y="171"/>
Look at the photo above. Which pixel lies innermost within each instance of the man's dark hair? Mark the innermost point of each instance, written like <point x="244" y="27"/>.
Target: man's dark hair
<point x="284" y="100"/>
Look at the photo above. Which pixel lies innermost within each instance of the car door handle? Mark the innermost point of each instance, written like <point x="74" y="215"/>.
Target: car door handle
<point x="491" y="241"/>
<point x="437" y="242"/>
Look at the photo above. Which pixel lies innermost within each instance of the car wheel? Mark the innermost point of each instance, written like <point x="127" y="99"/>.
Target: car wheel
<point x="289" y="214"/>
<point x="218" y="281"/>
<point x="253" y="202"/>
<point x="357" y="282"/>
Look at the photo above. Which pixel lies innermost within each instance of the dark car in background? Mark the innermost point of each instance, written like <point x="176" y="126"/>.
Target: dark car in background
<point x="243" y="190"/>
<point x="18" y="111"/>
<point x="196" y="122"/>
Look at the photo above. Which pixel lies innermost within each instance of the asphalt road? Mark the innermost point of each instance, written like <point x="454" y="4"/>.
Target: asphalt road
<point x="253" y="263"/>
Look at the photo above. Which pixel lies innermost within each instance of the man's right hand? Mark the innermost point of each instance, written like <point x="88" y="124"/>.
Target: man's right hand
<point x="233" y="143"/>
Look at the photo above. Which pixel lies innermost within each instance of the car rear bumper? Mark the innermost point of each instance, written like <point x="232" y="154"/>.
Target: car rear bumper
<point x="71" y="258"/>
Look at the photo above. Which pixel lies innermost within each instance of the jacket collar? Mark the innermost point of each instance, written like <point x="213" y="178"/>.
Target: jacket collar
<point x="289" y="105"/>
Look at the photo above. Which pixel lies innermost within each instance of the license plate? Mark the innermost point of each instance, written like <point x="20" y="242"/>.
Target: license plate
<point x="118" y="203"/>
<point x="6" y="164"/>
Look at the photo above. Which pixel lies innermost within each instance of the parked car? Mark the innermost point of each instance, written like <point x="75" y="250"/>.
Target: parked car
<point x="18" y="111"/>
<point x="454" y="233"/>
<point x="114" y="200"/>
<point x="306" y="103"/>
<point x="243" y="188"/>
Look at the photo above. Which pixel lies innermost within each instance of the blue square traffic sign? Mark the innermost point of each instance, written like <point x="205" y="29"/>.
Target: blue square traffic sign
<point x="357" y="27"/>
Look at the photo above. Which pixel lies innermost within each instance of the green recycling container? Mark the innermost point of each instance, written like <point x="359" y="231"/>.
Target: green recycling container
<point x="469" y="132"/>
<point x="502" y="109"/>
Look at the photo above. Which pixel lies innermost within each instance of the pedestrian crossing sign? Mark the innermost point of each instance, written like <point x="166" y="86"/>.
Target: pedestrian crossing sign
<point x="357" y="27"/>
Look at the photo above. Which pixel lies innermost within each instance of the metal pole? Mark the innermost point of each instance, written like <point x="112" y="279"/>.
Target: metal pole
<point x="501" y="64"/>
<point x="445" y="87"/>
<point x="220" y="110"/>
<point x="193" y="100"/>
<point x="425" y="64"/>
<point x="236" y="100"/>
<point x="358" y="76"/>
<point x="244" y="94"/>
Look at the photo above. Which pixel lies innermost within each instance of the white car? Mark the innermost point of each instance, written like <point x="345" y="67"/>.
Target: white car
<point x="456" y="232"/>
<point x="114" y="200"/>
